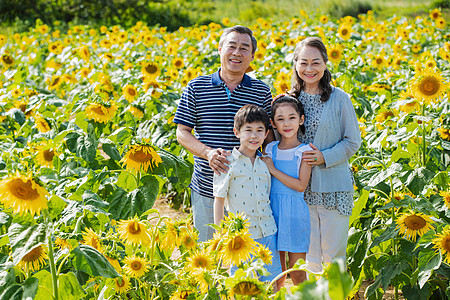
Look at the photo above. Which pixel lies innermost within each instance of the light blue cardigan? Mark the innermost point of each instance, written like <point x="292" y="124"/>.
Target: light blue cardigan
<point x="338" y="137"/>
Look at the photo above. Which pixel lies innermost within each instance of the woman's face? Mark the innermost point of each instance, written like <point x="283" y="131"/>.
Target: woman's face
<point x="310" y="67"/>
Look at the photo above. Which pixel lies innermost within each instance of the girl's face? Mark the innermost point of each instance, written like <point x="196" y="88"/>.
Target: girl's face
<point x="310" y="67"/>
<point x="287" y="120"/>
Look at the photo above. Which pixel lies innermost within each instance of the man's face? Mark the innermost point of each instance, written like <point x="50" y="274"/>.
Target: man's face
<point x="236" y="53"/>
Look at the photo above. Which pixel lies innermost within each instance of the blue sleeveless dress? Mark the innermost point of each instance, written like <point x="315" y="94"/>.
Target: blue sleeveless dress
<point x="289" y="209"/>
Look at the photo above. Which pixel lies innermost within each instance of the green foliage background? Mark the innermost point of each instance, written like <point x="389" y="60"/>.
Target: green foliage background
<point x="18" y="15"/>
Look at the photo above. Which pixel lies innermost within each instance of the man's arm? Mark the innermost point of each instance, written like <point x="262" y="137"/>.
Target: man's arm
<point x="216" y="157"/>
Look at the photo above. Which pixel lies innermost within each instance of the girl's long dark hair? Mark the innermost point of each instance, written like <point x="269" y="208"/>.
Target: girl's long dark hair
<point x="296" y="104"/>
<point x="297" y="83"/>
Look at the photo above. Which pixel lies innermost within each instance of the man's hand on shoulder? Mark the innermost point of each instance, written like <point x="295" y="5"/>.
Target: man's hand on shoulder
<point x="218" y="161"/>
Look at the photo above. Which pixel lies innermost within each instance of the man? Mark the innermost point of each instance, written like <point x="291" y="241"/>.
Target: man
<point x="208" y="105"/>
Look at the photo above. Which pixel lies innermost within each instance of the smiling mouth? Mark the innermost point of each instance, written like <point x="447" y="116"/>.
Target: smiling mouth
<point x="310" y="76"/>
<point x="235" y="61"/>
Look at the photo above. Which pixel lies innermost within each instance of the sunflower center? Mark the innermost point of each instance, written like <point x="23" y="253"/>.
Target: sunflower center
<point x="379" y="61"/>
<point x="7" y="59"/>
<point x="188" y="241"/>
<point x="334" y="54"/>
<point x="429" y="86"/>
<point x="120" y="282"/>
<point x="246" y="288"/>
<point x="151" y="69"/>
<point x="415" y="222"/>
<point x="55" y="82"/>
<point x="134" y="228"/>
<point x="23" y="190"/>
<point x="446" y="243"/>
<point x="98" y="110"/>
<point x="201" y="262"/>
<point x="48" y="154"/>
<point x="140" y="156"/>
<point x="33" y="255"/>
<point x="131" y="92"/>
<point x="238" y="243"/>
<point x="178" y="63"/>
<point x="136" y="265"/>
<point x="344" y="31"/>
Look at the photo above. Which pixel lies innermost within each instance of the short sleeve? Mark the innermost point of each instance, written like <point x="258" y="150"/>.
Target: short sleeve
<point x="299" y="152"/>
<point x="221" y="183"/>
<point x="186" y="113"/>
<point x="269" y="148"/>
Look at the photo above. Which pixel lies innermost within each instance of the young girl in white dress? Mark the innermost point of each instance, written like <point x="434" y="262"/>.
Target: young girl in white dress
<point x="290" y="177"/>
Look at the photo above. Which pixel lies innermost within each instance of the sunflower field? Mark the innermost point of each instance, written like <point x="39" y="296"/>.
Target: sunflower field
<point x="88" y="143"/>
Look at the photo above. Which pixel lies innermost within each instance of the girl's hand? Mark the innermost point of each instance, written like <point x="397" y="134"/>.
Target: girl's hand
<point x="313" y="157"/>
<point x="269" y="163"/>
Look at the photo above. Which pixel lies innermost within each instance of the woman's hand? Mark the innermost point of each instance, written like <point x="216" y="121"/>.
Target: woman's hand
<point x="313" y="157"/>
<point x="218" y="161"/>
<point x="269" y="163"/>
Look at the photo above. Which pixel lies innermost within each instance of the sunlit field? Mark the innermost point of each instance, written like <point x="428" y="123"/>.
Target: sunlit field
<point x="88" y="143"/>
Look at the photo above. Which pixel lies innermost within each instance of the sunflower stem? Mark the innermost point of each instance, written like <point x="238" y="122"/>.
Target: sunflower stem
<point x="61" y="265"/>
<point x="424" y="143"/>
<point x="52" y="268"/>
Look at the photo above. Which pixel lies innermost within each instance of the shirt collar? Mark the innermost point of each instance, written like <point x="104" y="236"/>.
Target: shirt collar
<point x="236" y="154"/>
<point x="216" y="80"/>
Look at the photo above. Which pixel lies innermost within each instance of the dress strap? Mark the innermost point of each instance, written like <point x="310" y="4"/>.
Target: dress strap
<point x="274" y="151"/>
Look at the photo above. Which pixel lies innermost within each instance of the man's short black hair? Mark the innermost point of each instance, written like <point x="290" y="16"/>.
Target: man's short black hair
<point x="250" y="114"/>
<point x="242" y="30"/>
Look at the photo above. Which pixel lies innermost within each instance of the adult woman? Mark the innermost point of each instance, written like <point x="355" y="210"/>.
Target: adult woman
<point x="333" y="132"/>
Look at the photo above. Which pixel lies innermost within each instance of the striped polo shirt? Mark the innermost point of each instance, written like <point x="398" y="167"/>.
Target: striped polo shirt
<point x="209" y="107"/>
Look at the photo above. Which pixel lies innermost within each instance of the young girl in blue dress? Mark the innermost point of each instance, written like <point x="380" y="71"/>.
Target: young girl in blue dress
<point x="290" y="178"/>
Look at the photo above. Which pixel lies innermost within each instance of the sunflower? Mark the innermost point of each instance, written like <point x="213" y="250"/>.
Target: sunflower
<point x="323" y="19"/>
<point x="345" y="31"/>
<point x="379" y="61"/>
<point x="180" y="294"/>
<point x="335" y="53"/>
<point x="151" y="70"/>
<point x="92" y="239"/>
<point x="200" y="275"/>
<point x="188" y="238"/>
<point x="435" y="13"/>
<point x="115" y="263"/>
<point x="34" y="260"/>
<point x="237" y="248"/>
<point x="178" y="63"/>
<point x="444" y="133"/>
<point x="416" y="48"/>
<point x="236" y="222"/>
<point x="428" y="85"/>
<point x="3" y="40"/>
<point x="41" y="124"/>
<point x="281" y="86"/>
<point x="442" y="243"/>
<point x="7" y="60"/>
<point x="133" y="232"/>
<point x="412" y="224"/>
<point x="54" y="83"/>
<point x="430" y="63"/>
<point x="241" y="284"/>
<point x="45" y="154"/>
<point x="23" y="194"/>
<point x="446" y="197"/>
<point x="84" y="72"/>
<point x="43" y="29"/>
<point x="214" y="244"/>
<point x="101" y="113"/>
<point x="136" y="111"/>
<point x="264" y="254"/>
<point x="129" y="92"/>
<point x="199" y="260"/>
<point x="121" y="284"/>
<point x="62" y="243"/>
<point x="84" y="53"/>
<point x="141" y="158"/>
<point x="135" y="266"/>
<point x="440" y="23"/>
